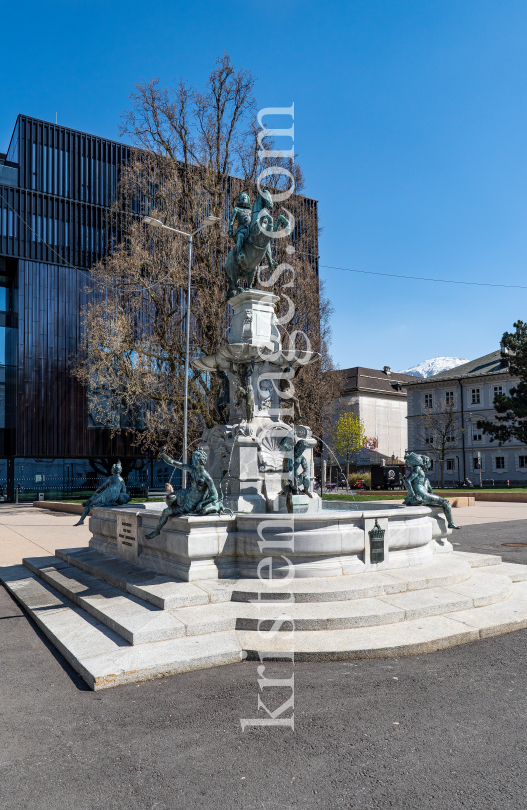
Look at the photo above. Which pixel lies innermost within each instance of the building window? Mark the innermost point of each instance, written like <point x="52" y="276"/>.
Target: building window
<point x="449" y="397"/>
<point x="500" y="462"/>
<point x="498" y="390"/>
<point x="429" y="439"/>
<point x="475" y="396"/>
<point x="477" y="463"/>
<point x="428" y="400"/>
<point x="522" y="461"/>
<point x="476" y="436"/>
<point x="450" y="464"/>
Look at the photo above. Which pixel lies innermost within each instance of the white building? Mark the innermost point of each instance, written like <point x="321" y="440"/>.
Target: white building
<point x="470" y="389"/>
<point x="379" y="399"/>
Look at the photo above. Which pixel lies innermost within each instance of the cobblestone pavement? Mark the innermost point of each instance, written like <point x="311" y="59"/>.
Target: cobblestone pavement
<point x="439" y="731"/>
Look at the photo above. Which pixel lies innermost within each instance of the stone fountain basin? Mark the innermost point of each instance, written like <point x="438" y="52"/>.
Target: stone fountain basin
<point x="333" y="542"/>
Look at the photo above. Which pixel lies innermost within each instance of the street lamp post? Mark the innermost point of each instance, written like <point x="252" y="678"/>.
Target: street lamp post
<point x="210" y="220"/>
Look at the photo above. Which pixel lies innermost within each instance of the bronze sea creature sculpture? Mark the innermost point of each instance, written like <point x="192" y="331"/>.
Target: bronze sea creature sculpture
<point x="419" y="488"/>
<point x="298" y="481"/>
<point x="199" y="498"/>
<point x="111" y="493"/>
<point x="243" y="392"/>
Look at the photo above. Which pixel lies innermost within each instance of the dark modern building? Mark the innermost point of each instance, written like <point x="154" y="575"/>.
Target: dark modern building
<point x="56" y="186"/>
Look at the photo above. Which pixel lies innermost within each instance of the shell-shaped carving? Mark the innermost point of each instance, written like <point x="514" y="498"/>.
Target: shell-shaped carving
<point x="270" y="452"/>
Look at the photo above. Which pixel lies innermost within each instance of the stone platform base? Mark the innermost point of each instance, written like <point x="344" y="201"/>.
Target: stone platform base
<point x="325" y="543"/>
<point x="117" y="622"/>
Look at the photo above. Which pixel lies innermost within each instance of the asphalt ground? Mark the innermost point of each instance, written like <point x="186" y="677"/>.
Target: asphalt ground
<point x="493" y="538"/>
<point x="443" y="731"/>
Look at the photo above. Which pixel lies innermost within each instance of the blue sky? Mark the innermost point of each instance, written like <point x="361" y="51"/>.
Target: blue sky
<point x="410" y="124"/>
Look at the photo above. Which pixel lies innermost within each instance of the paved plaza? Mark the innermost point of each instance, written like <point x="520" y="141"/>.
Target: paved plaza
<point x="29" y="532"/>
<point x="436" y="731"/>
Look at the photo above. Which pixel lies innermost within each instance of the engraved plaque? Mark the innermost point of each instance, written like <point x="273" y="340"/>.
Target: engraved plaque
<point x="127" y="535"/>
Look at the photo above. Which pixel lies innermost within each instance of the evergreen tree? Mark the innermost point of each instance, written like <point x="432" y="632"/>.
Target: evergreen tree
<point x="511" y="409"/>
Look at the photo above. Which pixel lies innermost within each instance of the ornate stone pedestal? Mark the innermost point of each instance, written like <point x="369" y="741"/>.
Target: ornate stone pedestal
<point x="249" y="455"/>
<point x="189" y="547"/>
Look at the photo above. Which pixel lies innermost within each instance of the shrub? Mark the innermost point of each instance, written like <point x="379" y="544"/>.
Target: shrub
<point x="354" y="477"/>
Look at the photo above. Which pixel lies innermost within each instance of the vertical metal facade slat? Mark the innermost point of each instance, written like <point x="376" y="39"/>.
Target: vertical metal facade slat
<point x="51" y="416"/>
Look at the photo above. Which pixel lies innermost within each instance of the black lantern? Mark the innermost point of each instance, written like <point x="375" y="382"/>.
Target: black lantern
<point x="376" y="543"/>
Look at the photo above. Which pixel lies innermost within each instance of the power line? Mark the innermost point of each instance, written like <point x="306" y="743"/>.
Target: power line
<point x="61" y="257"/>
<point x="325" y="266"/>
<point x="424" y="278"/>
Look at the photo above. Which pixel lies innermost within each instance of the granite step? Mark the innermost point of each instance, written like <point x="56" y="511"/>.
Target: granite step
<point x="477" y="560"/>
<point x="167" y="592"/>
<point x="384" y="641"/>
<point x="415" y="620"/>
<point x="515" y="571"/>
<point x="439" y="573"/>
<point x="162" y="591"/>
<point x="102" y="657"/>
<point x="480" y="589"/>
<point x="136" y="621"/>
<point x="416" y="636"/>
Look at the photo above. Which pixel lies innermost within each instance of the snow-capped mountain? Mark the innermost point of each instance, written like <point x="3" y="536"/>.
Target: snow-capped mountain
<point x="435" y="366"/>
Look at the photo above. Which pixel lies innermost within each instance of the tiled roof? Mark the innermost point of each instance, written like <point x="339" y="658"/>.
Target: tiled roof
<point x="371" y="379"/>
<point x="488" y="364"/>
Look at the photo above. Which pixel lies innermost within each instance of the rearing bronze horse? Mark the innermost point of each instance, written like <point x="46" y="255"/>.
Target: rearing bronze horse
<point x="255" y="246"/>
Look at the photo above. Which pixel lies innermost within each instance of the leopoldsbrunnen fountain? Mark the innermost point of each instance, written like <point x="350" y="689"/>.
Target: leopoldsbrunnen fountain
<point x="248" y="546"/>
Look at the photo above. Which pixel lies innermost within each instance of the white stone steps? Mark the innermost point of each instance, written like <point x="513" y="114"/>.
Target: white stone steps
<point x="477" y="560"/>
<point x="504" y="617"/>
<point x="415" y="636"/>
<point x="481" y="589"/>
<point x="136" y="621"/>
<point x="515" y="571"/>
<point x="162" y="591"/>
<point x="103" y="658"/>
<point x="440" y="573"/>
<point x="162" y="658"/>
<point x="383" y="641"/>
<point x="310" y="616"/>
<point x="111" y="636"/>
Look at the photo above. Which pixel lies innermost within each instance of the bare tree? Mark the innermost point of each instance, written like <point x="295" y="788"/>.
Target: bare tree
<point x="189" y="145"/>
<point x="440" y="432"/>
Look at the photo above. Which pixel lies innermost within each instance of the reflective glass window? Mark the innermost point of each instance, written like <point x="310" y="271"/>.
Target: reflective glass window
<point x="2" y="345"/>
<point x="34" y="166"/>
<point x="4" y="299"/>
<point x="65" y="158"/>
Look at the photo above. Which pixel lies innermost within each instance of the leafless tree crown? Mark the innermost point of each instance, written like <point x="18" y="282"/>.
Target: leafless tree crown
<point x="193" y="153"/>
